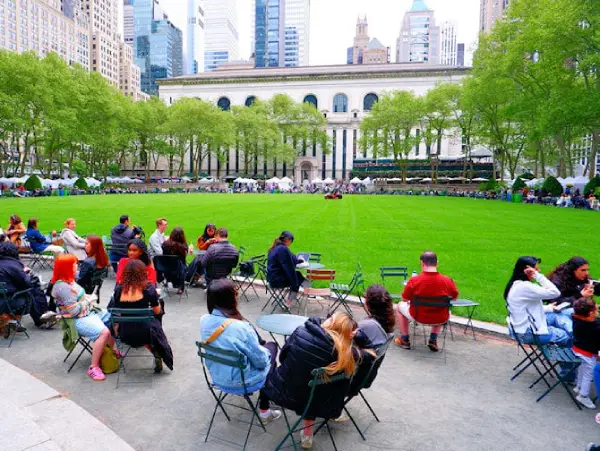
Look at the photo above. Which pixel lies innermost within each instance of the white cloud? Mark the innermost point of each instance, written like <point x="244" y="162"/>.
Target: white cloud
<point x="333" y="23"/>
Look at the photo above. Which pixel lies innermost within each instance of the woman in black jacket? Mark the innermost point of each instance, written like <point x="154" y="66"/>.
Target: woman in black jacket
<point x="176" y="246"/>
<point x="18" y="278"/>
<point x="281" y="266"/>
<point x="314" y="345"/>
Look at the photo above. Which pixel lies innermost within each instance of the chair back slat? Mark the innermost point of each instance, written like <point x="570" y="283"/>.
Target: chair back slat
<point x="320" y="274"/>
<point x="131" y="315"/>
<point x="225" y="357"/>
<point x="432" y="301"/>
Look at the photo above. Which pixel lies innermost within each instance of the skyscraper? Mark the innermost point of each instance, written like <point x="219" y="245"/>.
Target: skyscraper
<point x="448" y="44"/>
<point x="221" y="37"/>
<point x="194" y="48"/>
<point x="419" y="38"/>
<point x="280" y="32"/>
<point x="490" y="12"/>
<point x="157" y="43"/>
<point x="366" y="50"/>
<point x="297" y="33"/>
<point x="460" y="55"/>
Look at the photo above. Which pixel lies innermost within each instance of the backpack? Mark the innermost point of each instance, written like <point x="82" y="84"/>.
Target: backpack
<point x="247" y="269"/>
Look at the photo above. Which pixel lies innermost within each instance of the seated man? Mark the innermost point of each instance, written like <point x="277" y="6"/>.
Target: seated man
<point x="429" y="283"/>
<point x="120" y="236"/>
<point x="220" y="258"/>
<point x="157" y="238"/>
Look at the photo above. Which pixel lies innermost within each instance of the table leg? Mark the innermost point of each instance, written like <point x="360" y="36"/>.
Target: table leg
<point x="470" y="312"/>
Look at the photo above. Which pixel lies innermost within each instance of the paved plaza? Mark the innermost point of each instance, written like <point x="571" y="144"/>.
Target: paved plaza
<point x="465" y="403"/>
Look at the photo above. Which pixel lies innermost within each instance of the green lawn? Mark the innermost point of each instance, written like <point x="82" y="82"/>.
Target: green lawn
<point x="477" y="241"/>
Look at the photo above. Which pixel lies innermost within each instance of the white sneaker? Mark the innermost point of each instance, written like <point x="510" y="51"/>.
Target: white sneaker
<point x="48" y="317"/>
<point x="271" y="415"/>
<point x="306" y="441"/>
<point x="585" y="401"/>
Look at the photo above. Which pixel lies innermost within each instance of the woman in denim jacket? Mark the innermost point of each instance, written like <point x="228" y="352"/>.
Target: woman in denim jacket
<point x="240" y="336"/>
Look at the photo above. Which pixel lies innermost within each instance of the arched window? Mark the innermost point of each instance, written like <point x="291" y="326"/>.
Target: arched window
<point x="224" y="103"/>
<point x="250" y="100"/>
<point x="340" y="103"/>
<point x="370" y="100"/>
<point x="312" y="100"/>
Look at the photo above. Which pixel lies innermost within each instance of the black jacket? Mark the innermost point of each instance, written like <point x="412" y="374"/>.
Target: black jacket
<point x="120" y="236"/>
<point x="87" y="268"/>
<point x="220" y="259"/>
<point x="586" y="335"/>
<point x="309" y="347"/>
<point x="570" y="289"/>
<point x="281" y="268"/>
<point x="12" y="273"/>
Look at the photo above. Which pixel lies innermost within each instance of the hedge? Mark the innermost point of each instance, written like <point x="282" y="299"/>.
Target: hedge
<point x="33" y="183"/>
<point x="592" y="185"/>
<point x="552" y="186"/>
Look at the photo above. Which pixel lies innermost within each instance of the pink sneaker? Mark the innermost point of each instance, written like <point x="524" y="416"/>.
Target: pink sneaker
<point x="96" y="374"/>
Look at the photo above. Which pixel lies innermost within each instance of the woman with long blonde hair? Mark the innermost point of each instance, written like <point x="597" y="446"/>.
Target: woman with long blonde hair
<point x="317" y="344"/>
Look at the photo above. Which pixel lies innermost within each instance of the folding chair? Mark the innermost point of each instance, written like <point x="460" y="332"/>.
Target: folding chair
<point x="84" y="342"/>
<point x="313" y="275"/>
<point x="115" y="254"/>
<point x="425" y="303"/>
<point x="172" y="269"/>
<point x="275" y="296"/>
<point x="318" y="380"/>
<point x="552" y="356"/>
<point x="342" y="291"/>
<point x="34" y="258"/>
<point x="391" y="272"/>
<point x="365" y="382"/>
<point x="235" y="360"/>
<point x="97" y="280"/>
<point x="120" y="316"/>
<point x="531" y="352"/>
<point x="16" y="313"/>
<point x="244" y="279"/>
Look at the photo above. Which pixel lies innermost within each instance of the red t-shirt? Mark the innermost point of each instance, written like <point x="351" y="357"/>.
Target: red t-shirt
<point x="429" y="284"/>
<point x="150" y="271"/>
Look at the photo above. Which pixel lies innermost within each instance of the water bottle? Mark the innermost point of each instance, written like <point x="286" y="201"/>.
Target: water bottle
<point x="414" y="274"/>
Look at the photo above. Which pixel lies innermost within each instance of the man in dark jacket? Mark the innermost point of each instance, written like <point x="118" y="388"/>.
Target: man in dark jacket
<point x="120" y="236"/>
<point x="19" y="278"/>
<point x="220" y="258"/>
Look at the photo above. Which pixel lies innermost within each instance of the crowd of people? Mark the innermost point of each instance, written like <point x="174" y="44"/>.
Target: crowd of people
<point x="557" y="309"/>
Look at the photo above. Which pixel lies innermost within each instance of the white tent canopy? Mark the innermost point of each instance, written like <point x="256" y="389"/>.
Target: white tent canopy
<point x="317" y="181"/>
<point x="272" y="181"/>
<point x="328" y="181"/>
<point x="356" y="180"/>
<point x="480" y="179"/>
<point x="367" y="181"/>
<point x="287" y="180"/>
<point x="426" y="179"/>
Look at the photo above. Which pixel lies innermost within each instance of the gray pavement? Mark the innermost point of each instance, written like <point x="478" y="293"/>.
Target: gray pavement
<point x="465" y="403"/>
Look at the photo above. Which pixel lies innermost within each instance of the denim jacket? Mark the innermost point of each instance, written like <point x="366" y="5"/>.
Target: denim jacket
<point x="238" y="336"/>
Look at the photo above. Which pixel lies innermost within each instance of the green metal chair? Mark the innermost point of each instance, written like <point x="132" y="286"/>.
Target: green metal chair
<point x="120" y="316"/>
<point x="394" y="272"/>
<point x="17" y="313"/>
<point x="428" y="302"/>
<point x="236" y="360"/>
<point x="319" y="379"/>
<point x="341" y="292"/>
<point x="245" y="280"/>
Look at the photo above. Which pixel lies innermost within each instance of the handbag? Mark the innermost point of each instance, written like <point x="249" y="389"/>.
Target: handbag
<point x="247" y="269"/>
<point x="109" y="361"/>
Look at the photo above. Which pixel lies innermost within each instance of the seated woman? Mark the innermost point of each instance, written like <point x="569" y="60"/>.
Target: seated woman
<point x="74" y="243"/>
<point x="237" y="335"/>
<point x="73" y="303"/>
<point x="39" y="243"/>
<point x="524" y="300"/>
<point x="137" y="250"/>
<point x="177" y="246"/>
<point x="18" y="278"/>
<point x="15" y="229"/>
<point x="281" y="266"/>
<point x="96" y="260"/>
<point x="136" y="292"/>
<point x="573" y="281"/>
<point x="207" y="238"/>
<point x="373" y="332"/>
<point x="314" y="345"/>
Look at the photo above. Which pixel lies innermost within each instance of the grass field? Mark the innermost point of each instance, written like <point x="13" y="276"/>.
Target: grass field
<point x="477" y="241"/>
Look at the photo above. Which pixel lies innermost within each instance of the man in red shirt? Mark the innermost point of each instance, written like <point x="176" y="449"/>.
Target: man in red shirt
<point x="429" y="283"/>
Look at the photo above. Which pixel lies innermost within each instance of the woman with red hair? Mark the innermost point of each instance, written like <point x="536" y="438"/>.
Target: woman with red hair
<point x="73" y="303"/>
<point x="96" y="260"/>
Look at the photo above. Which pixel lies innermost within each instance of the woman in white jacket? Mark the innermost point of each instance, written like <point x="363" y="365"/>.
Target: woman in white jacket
<point x="74" y="243"/>
<point x="524" y="293"/>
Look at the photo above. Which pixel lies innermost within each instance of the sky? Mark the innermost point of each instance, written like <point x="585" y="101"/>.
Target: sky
<point x="333" y="23"/>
